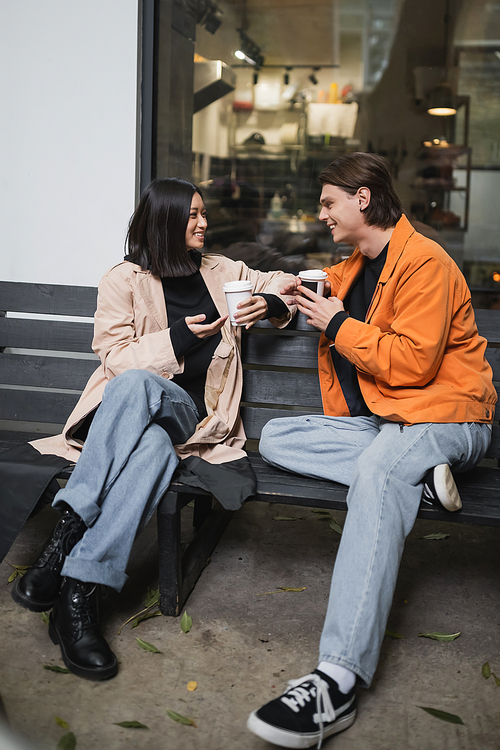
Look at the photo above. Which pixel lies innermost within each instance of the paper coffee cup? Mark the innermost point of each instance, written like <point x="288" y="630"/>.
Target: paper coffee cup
<point x="313" y="280"/>
<point x="236" y="291"/>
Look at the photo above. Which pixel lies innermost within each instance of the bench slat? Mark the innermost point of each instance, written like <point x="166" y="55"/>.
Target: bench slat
<point x="488" y="324"/>
<point x="272" y="387"/>
<point x="47" y="372"/>
<point x="52" y="335"/>
<point x="255" y="418"/>
<point x="39" y="406"/>
<point x="285" y="351"/>
<point x="50" y="299"/>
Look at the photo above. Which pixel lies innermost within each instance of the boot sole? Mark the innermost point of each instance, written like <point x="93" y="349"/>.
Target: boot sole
<point x="27" y="602"/>
<point x="97" y="675"/>
<point x="285" y="738"/>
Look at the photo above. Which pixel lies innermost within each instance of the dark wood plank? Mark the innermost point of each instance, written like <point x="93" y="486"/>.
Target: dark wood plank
<point x="52" y="335"/>
<point x="47" y="372"/>
<point x="271" y="387"/>
<point x="283" y="351"/>
<point x="50" y="299"/>
<point x="11" y="438"/>
<point x="36" y="406"/>
<point x="254" y="418"/>
<point x="488" y="324"/>
<point x="493" y="357"/>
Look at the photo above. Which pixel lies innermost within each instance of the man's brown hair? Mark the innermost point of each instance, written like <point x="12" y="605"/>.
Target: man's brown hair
<point x="357" y="170"/>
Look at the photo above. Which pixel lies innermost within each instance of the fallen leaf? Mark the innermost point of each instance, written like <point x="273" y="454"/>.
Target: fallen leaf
<point x="436" y="536"/>
<point x="60" y="722"/>
<point x="392" y="634"/>
<point x="286" y="518"/>
<point x="55" y="668"/>
<point x="280" y="590"/>
<point x="323" y="512"/>
<point x="45" y="617"/>
<point x="486" y="670"/>
<point x="147" y="646"/>
<point x="180" y="719"/>
<point x="443" y="715"/>
<point x="147" y="616"/>
<point x="152" y="597"/>
<point x="151" y="600"/>
<point x="497" y="679"/>
<point x="19" y="570"/>
<point x="130" y="724"/>
<point x="334" y="525"/>
<point x="186" y="622"/>
<point x="67" y="742"/>
<point x="440" y="636"/>
<point x="191" y="686"/>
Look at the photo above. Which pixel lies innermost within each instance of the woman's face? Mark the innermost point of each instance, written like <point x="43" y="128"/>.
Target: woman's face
<point x="197" y="224"/>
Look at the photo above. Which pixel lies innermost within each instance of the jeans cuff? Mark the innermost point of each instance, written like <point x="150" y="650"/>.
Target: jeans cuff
<point x="80" y="503"/>
<point x="90" y="571"/>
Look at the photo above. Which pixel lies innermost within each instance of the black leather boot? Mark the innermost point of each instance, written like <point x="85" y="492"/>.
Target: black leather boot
<point x="74" y="625"/>
<point x="39" y="587"/>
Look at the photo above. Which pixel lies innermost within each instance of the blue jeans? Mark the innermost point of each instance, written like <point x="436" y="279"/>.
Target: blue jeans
<point x="384" y="466"/>
<point x="125" y="467"/>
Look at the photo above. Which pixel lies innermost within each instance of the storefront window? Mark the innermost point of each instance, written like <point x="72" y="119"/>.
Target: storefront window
<point x="299" y="83"/>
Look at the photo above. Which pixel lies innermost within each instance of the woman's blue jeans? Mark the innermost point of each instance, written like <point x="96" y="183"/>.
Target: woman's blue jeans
<point x="125" y="467"/>
<point x="384" y="465"/>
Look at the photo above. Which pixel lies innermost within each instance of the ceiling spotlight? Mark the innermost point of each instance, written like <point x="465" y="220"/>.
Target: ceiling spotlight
<point x="209" y="15"/>
<point x="249" y="51"/>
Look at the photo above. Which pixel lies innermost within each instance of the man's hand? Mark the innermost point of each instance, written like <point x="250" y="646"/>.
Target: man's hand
<point x="250" y="311"/>
<point x="203" y="331"/>
<point x="319" y="310"/>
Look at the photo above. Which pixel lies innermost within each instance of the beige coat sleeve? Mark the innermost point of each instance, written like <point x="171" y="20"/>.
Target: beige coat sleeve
<point x="121" y="340"/>
<point x="270" y="282"/>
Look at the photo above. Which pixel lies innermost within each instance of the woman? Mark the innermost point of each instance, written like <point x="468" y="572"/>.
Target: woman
<point x="170" y="375"/>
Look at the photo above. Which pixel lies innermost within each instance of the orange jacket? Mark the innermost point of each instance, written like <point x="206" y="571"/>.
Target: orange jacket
<point x="418" y="354"/>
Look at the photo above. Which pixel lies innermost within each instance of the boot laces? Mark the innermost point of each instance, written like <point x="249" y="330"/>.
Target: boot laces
<point x="83" y="607"/>
<point x="56" y="547"/>
<point x="305" y="689"/>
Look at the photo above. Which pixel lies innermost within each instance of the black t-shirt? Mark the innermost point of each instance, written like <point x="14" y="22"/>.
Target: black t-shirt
<point x="356" y="306"/>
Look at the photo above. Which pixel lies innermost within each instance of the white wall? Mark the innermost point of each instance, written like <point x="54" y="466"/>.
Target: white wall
<point x="68" y="147"/>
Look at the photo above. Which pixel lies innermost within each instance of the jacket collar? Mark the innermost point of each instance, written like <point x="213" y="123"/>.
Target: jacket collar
<point x="402" y="233"/>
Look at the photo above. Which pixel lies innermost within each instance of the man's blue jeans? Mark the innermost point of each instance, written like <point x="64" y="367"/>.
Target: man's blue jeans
<point x="384" y="465"/>
<point x="125" y="467"/>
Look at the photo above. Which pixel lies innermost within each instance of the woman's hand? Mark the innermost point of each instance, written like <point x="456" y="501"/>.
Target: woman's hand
<point x="295" y="290"/>
<point x="250" y="311"/>
<point x="194" y="323"/>
<point x="319" y="310"/>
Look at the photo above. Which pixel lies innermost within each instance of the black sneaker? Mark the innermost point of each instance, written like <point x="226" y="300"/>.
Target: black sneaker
<point x="310" y="710"/>
<point x="440" y="488"/>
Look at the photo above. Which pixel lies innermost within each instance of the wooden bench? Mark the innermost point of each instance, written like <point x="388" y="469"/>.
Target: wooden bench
<point x="40" y="389"/>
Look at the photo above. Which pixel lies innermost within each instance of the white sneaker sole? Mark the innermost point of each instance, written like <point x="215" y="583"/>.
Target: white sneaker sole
<point x="285" y="738"/>
<point x="446" y="488"/>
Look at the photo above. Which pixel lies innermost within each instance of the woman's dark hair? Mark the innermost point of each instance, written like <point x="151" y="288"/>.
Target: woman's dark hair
<point x="353" y="171"/>
<point x="156" y="237"/>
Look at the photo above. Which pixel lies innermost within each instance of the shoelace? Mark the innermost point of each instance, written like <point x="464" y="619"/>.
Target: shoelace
<point x="82" y="607"/>
<point x="318" y="688"/>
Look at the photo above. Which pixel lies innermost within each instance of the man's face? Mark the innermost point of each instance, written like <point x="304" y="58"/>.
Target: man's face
<point x="342" y="214"/>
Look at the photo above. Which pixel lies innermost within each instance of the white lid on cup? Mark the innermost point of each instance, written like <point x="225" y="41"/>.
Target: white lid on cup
<point x="312" y="275"/>
<point x="238" y="286"/>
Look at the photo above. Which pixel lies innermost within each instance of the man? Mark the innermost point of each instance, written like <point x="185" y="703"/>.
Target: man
<point x="407" y="395"/>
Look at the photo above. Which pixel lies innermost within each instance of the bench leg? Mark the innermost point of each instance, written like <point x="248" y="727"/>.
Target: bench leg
<point x="179" y="570"/>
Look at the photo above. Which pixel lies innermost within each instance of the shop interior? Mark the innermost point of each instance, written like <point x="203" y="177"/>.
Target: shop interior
<point x="255" y="97"/>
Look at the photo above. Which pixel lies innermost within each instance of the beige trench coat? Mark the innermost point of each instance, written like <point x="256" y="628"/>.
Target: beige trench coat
<point x="131" y="332"/>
